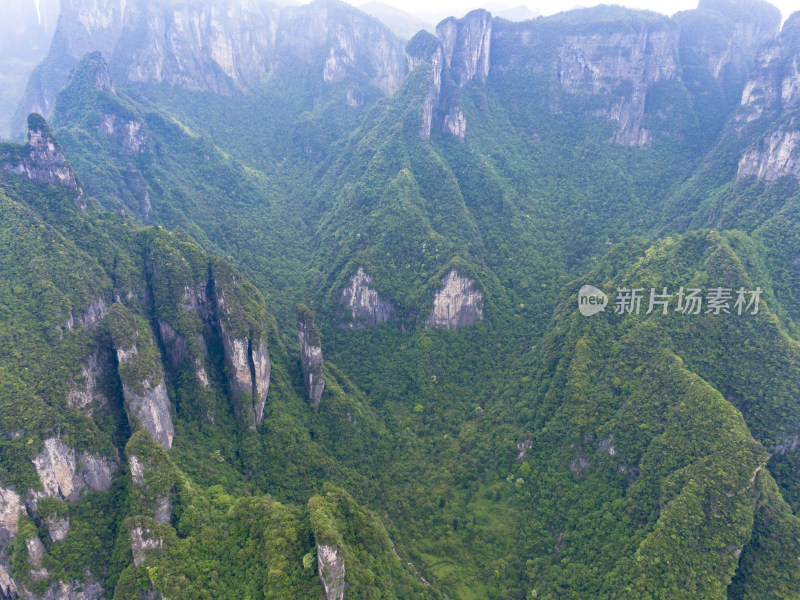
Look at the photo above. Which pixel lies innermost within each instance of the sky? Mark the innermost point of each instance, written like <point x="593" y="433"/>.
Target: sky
<point x="549" y="7"/>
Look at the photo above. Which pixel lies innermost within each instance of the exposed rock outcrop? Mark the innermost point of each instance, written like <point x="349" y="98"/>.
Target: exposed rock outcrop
<point x="598" y="65"/>
<point x="458" y="304"/>
<point x="221" y="47"/>
<point x="57" y="528"/>
<point x="87" y="395"/>
<point x="150" y="408"/>
<point x="461" y="54"/>
<point x="466" y="45"/>
<point x="774" y="81"/>
<point x="10" y="505"/>
<point x="771" y="99"/>
<point x="247" y="360"/>
<point x="8" y="589"/>
<point x="331" y="571"/>
<point x="718" y="44"/>
<point x="774" y="156"/>
<point x="310" y="354"/>
<point x="129" y="133"/>
<point x="74" y="590"/>
<point x="142" y="376"/>
<point x="41" y="160"/>
<point x="365" y="306"/>
<point x="143" y="539"/>
<point x="64" y="477"/>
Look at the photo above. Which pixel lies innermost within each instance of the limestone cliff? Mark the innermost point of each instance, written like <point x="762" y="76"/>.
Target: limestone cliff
<point x="87" y="395"/>
<point x="41" y="159"/>
<point x="222" y="47"/>
<point x="64" y="475"/>
<point x="143" y="539"/>
<point x="771" y="102"/>
<point x="310" y="354"/>
<point x="458" y="304"/>
<point x="331" y="571"/>
<point x="142" y="375"/>
<point x="719" y="42"/>
<point x="459" y="54"/>
<point x="366" y="308"/>
<point x="607" y="71"/>
<point x="244" y="343"/>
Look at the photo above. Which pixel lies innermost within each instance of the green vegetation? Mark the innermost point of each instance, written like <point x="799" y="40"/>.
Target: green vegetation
<point x="537" y="454"/>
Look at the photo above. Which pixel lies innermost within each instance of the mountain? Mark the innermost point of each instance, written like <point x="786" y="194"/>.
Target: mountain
<point x="291" y="308"/>
<point x="402" y="23"/>
<point x="519" y="12"/>
<point x="27" y="29"/>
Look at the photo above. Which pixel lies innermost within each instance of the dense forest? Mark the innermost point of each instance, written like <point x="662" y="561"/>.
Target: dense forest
<point x="289" y="306"/>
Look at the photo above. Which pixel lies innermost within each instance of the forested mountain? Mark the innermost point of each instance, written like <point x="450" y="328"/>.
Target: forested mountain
<point x="292" y="308"/>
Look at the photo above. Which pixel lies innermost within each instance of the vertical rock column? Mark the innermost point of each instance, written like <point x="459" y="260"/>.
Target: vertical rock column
<point x="310" y="354"/>
<point x="142" y="375"/>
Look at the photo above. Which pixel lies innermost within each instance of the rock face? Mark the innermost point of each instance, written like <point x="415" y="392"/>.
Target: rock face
<point x="87" y="395"/>
<point x="774" y="156"/>
<point x="57" y="528"/>
<point x="8" y="589"/>
<point x="607" y="72"/>
<point x="460" y="54"/>
<point x="466" y="45"/>
<point x="331" y="571"/>
<point x="150" y="409"/>
<point x="64" y="477"/>
<point x="310" y="354"/>
<point x="74" y="590"/>
<point x="457" y="304"/>
<point x="142" y="540"/>
<point x="596" y="65"/>
<point x="10" y="505"/>
<point x="771" y="99"/>
<point x="142" y="376"/>
<point x="720" y="40"/>
<point x="365" y="306"/>
<point x="41" y="160"/>
<point x="247" y="361"/>
<point x="222" y="46"/>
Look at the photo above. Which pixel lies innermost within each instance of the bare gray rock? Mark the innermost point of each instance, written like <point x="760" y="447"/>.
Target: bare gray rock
<point x="57" y="528"/>
<point x="221" y="47"/>
<point x="41" y="160"/>
<point x="607" y="446"/>
<point x="151" y="409"/>
<point x="261" y="374"/>
<point x="773" y="156"/>
<point x="310" y="355"/>
<point x="8" y="589"/>
<point x="74" y="590"/>
<point x="331" y="571"/>
<point x="143" y="387"/>
<point x="63" y="477"/>
<point x="365" y="306"/>
<point x="35" y="551"/>
<point x="457" y="304"/>
<point x="87" y="395"/>
<point x="143" y="539"/>
<point x="467" y="44"/>
<point x="10" y="505"/>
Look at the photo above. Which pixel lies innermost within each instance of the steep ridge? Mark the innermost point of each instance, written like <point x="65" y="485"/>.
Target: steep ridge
<point x="224" y="48"/>
<point x="438" y="238"/>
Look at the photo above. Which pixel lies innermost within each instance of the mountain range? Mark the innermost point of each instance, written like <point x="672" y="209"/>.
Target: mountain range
<point x="291" y="307"/>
